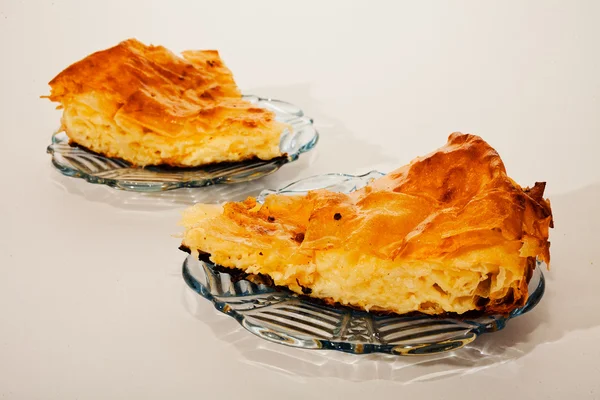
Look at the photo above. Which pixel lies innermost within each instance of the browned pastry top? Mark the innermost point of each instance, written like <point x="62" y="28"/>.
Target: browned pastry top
<point x="454" y="211"/>
<point x="158" y="89"/>
<point x="437" y="206"/>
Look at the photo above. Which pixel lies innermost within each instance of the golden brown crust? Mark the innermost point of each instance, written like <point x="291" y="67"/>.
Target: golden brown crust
<point x="470" y="201"/>
<point x="179" y="85"/>
<point x="454" y="213"/>
<point x="145" y="98"/>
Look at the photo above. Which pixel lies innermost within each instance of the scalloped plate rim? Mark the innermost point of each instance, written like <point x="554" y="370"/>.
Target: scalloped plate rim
<point x="159" y="186"/>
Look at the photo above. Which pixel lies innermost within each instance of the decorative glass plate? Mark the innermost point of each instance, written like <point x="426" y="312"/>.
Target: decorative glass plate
<point x="286" y="318"/>
<point x="78" y="162"/>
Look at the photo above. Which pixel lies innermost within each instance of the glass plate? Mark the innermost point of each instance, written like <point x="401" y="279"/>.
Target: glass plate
<point x="283" y="317"/>
<point x="81" y="163"/>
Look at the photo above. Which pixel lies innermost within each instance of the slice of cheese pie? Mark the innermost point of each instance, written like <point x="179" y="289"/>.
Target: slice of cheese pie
<point x="448" y="233"/>
<point x="149" y="106"/>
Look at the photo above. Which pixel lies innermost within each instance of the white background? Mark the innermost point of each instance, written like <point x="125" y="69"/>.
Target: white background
<point x="92" y="304"/>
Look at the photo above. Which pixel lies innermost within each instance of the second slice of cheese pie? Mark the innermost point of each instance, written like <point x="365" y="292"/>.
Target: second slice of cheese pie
<point x="448" y="233"/>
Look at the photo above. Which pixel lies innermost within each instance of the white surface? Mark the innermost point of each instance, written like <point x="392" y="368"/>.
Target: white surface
<point x="92" y="305"/>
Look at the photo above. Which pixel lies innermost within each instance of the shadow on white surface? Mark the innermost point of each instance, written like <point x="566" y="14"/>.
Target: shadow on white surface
<point x="172" y="199"/>
<point x="570" y="304"/>
<point x="339" y="149"/>
<point x="299" y="364"/>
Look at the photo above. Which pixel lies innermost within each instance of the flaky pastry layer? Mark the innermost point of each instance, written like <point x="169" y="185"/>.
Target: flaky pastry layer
<point x="148" y="106"/>
<point x="448" y="233"/>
